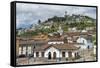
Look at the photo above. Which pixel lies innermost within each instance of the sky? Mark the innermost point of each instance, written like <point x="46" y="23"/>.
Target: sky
<point x="27" y="14"/>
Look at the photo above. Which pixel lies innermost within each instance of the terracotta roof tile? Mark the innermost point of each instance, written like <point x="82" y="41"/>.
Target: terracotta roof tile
<point x="60" y="47"/>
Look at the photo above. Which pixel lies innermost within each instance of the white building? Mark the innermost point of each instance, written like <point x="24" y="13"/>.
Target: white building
<point x="74" y="29"/>
<point x="53" y="51"/>
<point x="20" y="31"/>
<point x="89" y="28"/>
<point x="45" y="27"/>
<point x="86" y="42"/>
<point x="84" y="30"/>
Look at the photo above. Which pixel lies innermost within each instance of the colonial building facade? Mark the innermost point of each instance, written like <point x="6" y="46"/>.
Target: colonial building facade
<point x="38" y="49"/>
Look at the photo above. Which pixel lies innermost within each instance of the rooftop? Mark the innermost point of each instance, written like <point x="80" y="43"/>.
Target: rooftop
<point x="60" y="47"/>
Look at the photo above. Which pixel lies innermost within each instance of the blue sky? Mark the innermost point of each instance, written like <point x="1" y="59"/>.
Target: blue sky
<point x="28" y="14"/>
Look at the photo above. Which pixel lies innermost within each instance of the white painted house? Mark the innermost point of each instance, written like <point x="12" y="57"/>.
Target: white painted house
<point x="74" y="29"/>
<point x="45" y="27"/>
<point x="86" y="43"/>
<point x="20" y="31"/>
<point x="84" y="30"/>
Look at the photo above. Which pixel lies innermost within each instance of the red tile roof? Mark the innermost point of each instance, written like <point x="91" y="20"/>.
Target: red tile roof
<point x="60" y="47"/>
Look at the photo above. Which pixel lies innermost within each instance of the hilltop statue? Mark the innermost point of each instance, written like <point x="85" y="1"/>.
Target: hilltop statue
<point x="65" y="13"/>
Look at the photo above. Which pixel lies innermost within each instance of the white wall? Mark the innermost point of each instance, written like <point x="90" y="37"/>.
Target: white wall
<point x="29" y="50"/>
<point x="66" y="54"/>
<point x="86" y="43"/>
<point x="81" y="39"/>
<point x="5" y="34"/>
<point x="58" y="53"/>
<point x="56" y="42"/>
<point x="19" y="51"/>
<point x="52" y="50"/>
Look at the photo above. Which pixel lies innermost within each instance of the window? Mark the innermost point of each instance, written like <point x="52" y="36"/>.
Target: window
<point x="63" y="54"/>
<point x="42" y="54"/>
<point x="75" y="54"/>
<point x="49" y="55"/>
<point x="88" y="47"/>
<point x="54" y="55"/>
<point x="37" y="54"/>
<point x="70" y="54"/>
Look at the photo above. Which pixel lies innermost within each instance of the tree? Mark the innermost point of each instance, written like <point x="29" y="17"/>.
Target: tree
<point x="65" y="28"/>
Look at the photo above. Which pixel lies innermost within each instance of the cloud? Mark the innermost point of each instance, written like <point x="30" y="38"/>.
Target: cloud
<point x="30" y="13"/>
